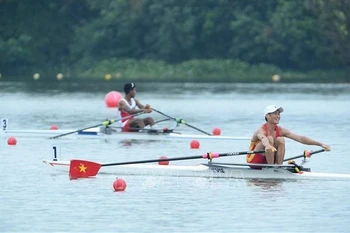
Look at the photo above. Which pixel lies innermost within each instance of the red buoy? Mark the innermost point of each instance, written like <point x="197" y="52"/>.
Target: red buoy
<point x="194" y="144"/>
<point x="216" y="131"/>
<point x="119" y="185"/>
<point x="163" y="162"/>
<point x="11" y="141"/>
<point x="54" y="127"/>
<point x="112" y="99"/>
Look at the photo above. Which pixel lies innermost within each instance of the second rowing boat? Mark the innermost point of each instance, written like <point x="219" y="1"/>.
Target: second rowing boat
<point x="100" y="134"/>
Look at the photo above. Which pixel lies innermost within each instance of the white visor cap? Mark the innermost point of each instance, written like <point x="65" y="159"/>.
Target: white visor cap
<point x="272" y="108"/>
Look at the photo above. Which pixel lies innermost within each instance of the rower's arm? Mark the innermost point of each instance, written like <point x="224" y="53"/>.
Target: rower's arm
<point x="138" y="104"/>
<point x="145" y="108"/>
<point x="299" y="138"/>
<point x="302" y="139"/>
<point x="261" y="136"/>
<point x="122" y="106"/>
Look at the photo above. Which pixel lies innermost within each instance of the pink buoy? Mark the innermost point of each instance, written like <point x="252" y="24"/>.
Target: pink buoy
<point x="112" y="98"/>
<point x="11" y="141"/>
<point x="194" y="144"/>
<point x="119" y="185"/>
<point x="216" y="131"/>
<point x="54" y="127"/>
<point x="165" y="162"/>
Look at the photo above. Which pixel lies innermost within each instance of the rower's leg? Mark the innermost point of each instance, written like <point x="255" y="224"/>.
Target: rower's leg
<point x="137" y="123"/>
<point x="257" y="158"/>
<point x="141" y="123"/>
<point x="148" y="121"/>
<point x="270" y="156"/>
<point x="281" y="149"/>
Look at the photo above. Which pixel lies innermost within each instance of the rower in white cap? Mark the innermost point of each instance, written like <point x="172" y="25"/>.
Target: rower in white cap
<point x="270" y="137"/>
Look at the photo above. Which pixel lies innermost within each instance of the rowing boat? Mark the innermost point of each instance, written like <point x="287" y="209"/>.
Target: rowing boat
<point x="210" y="170"/>
<point x="83" y="168"/>
<point x="100" y="134"/>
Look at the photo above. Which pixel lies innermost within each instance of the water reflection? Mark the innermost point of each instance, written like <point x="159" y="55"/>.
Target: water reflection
<point x="130" y="142"/>
<point x="267" y="184"/>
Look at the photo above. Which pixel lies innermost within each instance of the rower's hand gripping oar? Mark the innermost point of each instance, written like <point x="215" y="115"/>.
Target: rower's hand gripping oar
<point x="84" y="169"/>
<point x="105" y="123"/>
<point x="181" y="121"/>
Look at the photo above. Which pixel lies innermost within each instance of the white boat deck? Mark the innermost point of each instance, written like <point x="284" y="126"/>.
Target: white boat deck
<point x="204" y="170"/>
<point x="95" y="133"/>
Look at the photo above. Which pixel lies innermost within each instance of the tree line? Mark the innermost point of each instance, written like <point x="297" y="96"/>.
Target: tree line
<point x="67" y="34"/>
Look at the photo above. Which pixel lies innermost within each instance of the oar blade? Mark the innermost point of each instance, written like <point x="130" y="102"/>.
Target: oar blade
<point x="83" y="169"/>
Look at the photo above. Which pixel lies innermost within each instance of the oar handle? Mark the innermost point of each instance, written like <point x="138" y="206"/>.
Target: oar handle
<point x="212" y="155"/>
<point x="306" y="154"/>
<point x="209" y="155"/>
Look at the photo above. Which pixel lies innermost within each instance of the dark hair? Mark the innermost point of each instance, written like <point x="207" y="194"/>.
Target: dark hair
<point x="129" y="87"/>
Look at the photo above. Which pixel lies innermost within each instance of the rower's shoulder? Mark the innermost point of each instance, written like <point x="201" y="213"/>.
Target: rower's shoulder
<point x="283" y="130"/>
<point x="260" y="129"/>
<point x="257" y="132"/>
<point x="122" y="100"/>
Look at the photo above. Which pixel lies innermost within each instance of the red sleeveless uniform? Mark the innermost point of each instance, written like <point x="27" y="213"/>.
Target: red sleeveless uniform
<point x="260" y="158"/>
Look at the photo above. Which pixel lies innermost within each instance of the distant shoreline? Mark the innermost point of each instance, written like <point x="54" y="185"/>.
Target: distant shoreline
<point x="231" y="71"/>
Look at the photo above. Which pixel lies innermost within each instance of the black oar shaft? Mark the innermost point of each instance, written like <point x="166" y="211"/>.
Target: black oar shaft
<point x="191" y="126"/>
<point x="303" y="155"/>
<point x="65" y="134"/>
<point x="105" y="123"/>
<point x="207" y="155"/>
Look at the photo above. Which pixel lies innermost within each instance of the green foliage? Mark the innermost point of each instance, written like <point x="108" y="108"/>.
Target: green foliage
<point x="175" y="39"/>
<point x="192" y="70"/>
<point x="213" y="70"/>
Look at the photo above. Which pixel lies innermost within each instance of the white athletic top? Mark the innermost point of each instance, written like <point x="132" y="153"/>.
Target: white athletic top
<point x="123" y="114"/>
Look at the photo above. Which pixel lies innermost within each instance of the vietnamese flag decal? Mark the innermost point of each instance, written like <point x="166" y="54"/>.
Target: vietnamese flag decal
<point x="83" y="169"/>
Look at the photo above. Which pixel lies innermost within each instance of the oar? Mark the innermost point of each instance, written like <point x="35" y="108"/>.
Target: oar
<point x="165" y="130"/>
<point x="105" y="123"/>
<point x="166" y="119"/>
<point x="181" y="121"/>
<point x="306" y="154"/>
<point x="83" y="168"/>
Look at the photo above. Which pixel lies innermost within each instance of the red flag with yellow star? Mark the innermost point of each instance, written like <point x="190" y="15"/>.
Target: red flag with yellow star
<point x="83" y="169"/>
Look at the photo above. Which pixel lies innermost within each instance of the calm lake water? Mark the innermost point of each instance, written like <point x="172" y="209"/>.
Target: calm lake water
<point x="35" y="198"/>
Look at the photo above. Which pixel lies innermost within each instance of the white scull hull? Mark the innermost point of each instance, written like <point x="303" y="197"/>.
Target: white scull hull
<point x="204" y="170"/>
<point x="95" y="133"/>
